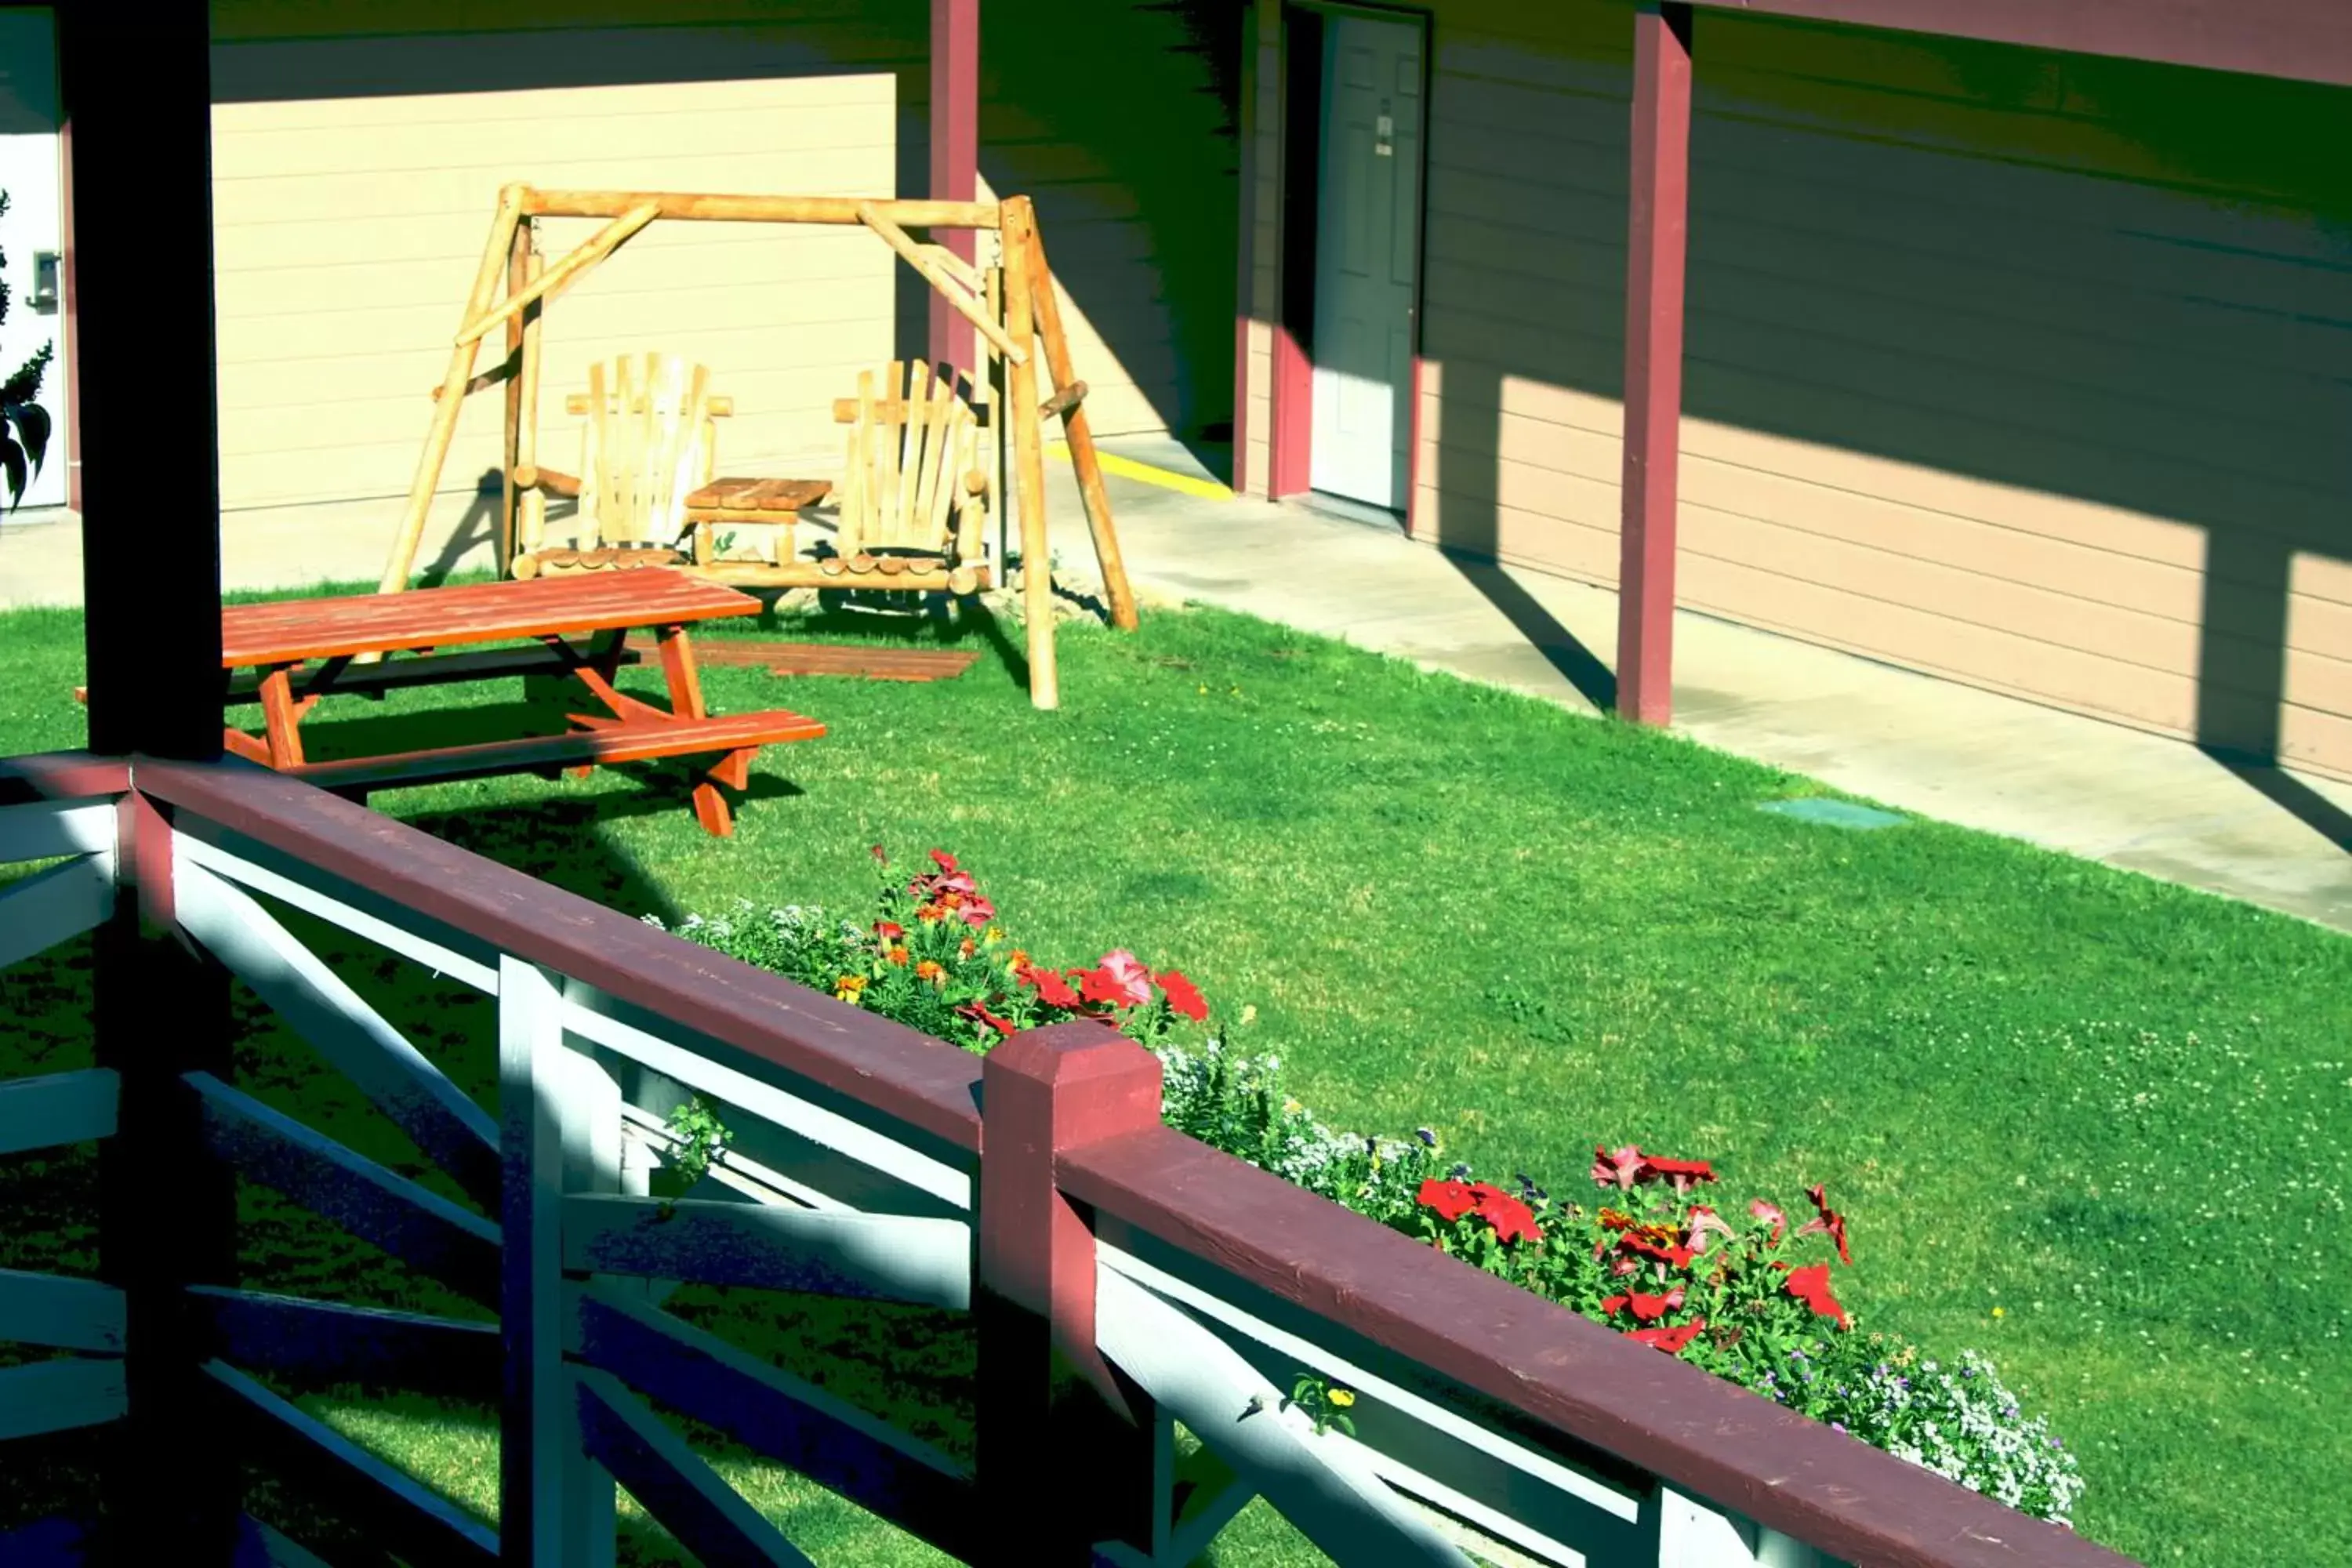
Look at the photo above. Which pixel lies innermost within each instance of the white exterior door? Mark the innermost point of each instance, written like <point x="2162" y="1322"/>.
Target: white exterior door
<point x="32" y="231"/>
<point x="1367" y="250"/>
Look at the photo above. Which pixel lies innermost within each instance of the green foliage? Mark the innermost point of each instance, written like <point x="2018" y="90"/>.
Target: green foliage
<point x="1324" y="1404"/>
<point x="24" y="423"/>
<point x="702" y="1138"/>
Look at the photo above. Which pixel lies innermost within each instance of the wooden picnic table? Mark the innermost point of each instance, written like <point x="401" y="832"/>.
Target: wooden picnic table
<point x="580" y="625"/>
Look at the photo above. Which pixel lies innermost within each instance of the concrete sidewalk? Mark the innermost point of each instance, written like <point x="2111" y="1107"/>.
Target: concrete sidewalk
<point x="1911" y="742"/>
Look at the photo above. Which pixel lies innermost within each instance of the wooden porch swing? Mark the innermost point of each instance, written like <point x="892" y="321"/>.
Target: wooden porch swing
<point x="921" y="535"/>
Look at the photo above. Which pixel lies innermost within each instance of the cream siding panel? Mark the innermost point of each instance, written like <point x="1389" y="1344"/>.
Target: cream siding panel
<point x="347" y="230"/>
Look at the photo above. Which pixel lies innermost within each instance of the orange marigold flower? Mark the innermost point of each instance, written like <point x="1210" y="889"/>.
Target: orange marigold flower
<point x="1018" y="959"/>
<point x="929" y="969"/>
<point x="966" y="948"/>
<point x="896" y="955"/>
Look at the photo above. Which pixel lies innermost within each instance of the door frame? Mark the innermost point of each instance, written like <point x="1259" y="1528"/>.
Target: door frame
<point x="1291" y="397"/>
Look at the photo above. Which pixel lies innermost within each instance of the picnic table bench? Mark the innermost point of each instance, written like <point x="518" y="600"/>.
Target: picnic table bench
<point x="300" y="651"/>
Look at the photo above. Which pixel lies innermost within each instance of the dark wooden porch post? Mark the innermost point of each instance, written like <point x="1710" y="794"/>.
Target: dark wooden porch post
<point x="955" y="156"/>
<point x="136" y="82"/>
<point x="1653" y="360"/>
<point x="136" y="85"/>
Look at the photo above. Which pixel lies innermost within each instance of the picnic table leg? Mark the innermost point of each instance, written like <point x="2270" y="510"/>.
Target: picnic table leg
<point x="711" y="807"/>
<point x="281" y="715"/>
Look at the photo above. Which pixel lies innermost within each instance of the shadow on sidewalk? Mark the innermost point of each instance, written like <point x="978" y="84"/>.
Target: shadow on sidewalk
<point x="1581" y="667"/>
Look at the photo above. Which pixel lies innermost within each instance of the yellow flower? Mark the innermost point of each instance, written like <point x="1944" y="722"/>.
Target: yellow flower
<point x="846" y="988"/>
<point x="993" y="933"/>
<point x="2000" y="1312"/>
<point x="1342" y="1398"/>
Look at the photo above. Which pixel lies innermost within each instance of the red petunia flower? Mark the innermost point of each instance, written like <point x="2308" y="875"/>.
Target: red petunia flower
<point x="1700" y="1221"/>
<point x="1120" y="980"/>
<point x="1831" y="1223"/>
<point x="944" y="861"/>
<point x="1623" y="1166"/>
<point x="1452" y="1200"/>
<point x="1810" y="1285"/>
<point x="1670" y="1341"/>
<point x="1765" y="1211"/>
<point x="1512" y="1220"/>
<point x="977" y="911"/>
<point x="1679" y="1256"/>
<point x="1648" y="1309"/>
<point x="1183" y="995"/>
<point x="1681" y="1172"/>
<point x="974" y="1010"/>
<point x="890" y="931"/>
<point x="1051" y="988"/>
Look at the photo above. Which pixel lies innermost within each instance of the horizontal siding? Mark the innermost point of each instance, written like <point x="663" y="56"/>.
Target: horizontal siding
<point x="347" y="231"/>
<point x="1989" y="374"/>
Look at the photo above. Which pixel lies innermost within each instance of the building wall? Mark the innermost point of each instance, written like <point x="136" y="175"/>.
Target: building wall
<point x="1122" y="130"/>
<point x="357" y="151"/>
<point x="2021" y="369"/>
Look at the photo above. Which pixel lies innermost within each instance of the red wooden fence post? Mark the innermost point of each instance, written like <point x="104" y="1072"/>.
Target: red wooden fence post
<point x="1067" y="1454"/>
<point x="1657" y="230"/>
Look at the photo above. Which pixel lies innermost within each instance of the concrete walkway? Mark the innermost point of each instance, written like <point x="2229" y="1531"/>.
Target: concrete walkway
<point x="1908" y="741"/>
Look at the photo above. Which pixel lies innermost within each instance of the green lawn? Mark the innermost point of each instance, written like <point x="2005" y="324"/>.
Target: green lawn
<point x="2105" y="1105"/>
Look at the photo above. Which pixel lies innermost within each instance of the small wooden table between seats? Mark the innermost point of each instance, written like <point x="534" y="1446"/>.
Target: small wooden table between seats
<point x="277" y="641"/>
<point x="773" y="503"/>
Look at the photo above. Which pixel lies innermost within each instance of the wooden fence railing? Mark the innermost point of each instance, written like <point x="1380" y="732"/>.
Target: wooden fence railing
<point x="1121" y="1277"/>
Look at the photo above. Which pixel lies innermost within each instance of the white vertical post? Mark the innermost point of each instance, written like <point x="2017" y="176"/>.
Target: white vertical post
<point x="1694" y="1535"/>
<point x="550" y="1135"/>
<point x="591" y="1163"/>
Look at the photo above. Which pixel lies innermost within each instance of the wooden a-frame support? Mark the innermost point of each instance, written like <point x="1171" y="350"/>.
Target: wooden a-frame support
<point x="512" y="291"/>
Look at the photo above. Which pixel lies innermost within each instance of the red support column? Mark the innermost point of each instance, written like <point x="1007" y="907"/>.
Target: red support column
<point x="1068" y="1449"/>
<point x="1246" y="303"/>
<point x="1653" y="360"/>
<point x="955" y="157"/>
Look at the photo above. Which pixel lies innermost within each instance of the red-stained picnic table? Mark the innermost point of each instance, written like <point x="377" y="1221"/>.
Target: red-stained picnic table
<point x="581" y="623"/>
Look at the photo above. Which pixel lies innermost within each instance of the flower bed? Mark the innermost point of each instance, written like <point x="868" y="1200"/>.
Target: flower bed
<point x="1741" y="1290"/>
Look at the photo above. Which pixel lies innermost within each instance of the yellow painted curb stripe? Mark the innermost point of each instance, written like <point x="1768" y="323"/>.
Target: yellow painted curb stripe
<point x="1145" y="473"/>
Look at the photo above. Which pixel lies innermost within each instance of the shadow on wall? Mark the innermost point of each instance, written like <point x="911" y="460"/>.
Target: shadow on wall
<point x="2167" y="336"/>
<point x="1125" y="130"/>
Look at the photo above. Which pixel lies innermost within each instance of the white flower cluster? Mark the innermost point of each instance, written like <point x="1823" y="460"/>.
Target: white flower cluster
<point x="1965" y="1425"/>
<point x="1234" y="1103"/>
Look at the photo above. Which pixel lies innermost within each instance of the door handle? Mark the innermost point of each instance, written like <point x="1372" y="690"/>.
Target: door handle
<point x="45" y="283"/>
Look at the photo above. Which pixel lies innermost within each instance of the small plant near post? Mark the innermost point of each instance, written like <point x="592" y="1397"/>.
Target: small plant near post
<point x="1324" y="1404"/>
<point x="702" y="1138"/>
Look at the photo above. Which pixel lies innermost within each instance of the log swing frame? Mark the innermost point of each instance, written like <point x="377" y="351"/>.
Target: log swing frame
<point x="1011" y="306"/>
